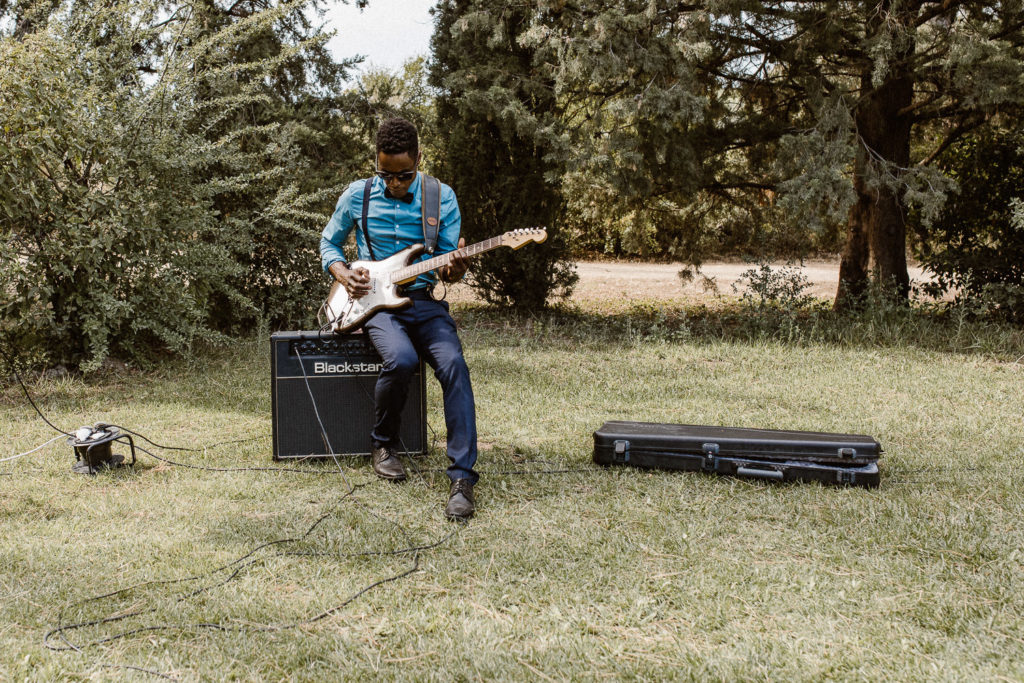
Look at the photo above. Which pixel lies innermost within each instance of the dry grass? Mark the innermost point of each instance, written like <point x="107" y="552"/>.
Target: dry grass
<point x="587" y="574"/>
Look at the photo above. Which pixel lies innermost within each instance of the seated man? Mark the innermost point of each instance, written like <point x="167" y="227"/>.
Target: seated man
<point x="424" y="327"/>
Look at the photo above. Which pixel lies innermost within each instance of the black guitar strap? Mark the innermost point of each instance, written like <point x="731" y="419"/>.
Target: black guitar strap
<point x="366" y="213"/>
<point x="430" y="208"/>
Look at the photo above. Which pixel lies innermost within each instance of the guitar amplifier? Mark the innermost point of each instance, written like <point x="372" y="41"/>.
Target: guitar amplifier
<point x="338" y="372"/>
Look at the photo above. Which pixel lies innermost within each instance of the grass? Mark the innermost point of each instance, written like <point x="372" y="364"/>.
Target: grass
<point x="588" y="574"/>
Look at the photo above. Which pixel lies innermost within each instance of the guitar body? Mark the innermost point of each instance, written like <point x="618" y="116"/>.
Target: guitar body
<point x="346" y="313"/>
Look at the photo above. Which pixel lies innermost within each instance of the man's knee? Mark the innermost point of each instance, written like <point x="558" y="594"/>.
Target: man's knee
<point x="451" y="366"/>
<point x="401" y="365"/>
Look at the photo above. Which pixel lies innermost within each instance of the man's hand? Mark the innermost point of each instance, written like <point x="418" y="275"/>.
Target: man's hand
<point x="356" y="282"/>
<point x="455" y="270"/>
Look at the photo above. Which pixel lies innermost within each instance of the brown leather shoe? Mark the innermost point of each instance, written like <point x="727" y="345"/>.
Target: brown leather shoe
<point x="386" y="464"/>
<point x="461" y="505"/>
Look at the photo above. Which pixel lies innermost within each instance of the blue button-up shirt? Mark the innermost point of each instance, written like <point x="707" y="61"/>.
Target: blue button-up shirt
<point x="393" y="225"/>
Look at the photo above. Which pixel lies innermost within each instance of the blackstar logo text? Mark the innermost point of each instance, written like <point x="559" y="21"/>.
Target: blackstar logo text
<point x="346" y="368"/>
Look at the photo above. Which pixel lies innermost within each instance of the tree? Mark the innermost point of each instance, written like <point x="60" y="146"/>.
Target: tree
<point x="813" y="112"/>
<point x="294" y="154"/>
<point x="152" y="186"/>
<point x="381" y="94"/>
<point x="494" y="95"/>
<point x="405" y="92"/>
<point x="976" y="245"/>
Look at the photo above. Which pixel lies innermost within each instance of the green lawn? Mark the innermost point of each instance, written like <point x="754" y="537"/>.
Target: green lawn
<point x="586" y="574"/>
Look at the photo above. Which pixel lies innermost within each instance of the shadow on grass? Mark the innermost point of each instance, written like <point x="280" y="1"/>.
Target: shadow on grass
<point x="234" y="380"/>
<point x="925" y="327"/>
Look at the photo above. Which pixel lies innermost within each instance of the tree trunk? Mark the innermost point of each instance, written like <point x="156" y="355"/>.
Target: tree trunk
<point x="876" y="246"/>
<point x="853" y="268"/>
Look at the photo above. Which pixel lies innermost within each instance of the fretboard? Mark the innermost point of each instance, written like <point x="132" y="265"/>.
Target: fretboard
<point x="409" y="272"/>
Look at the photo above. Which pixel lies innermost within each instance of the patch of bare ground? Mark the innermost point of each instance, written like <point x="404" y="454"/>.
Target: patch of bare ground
<point x="625" y="280"/>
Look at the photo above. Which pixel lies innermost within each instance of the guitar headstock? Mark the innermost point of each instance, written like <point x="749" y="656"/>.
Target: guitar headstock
<point x="523" y="236"/>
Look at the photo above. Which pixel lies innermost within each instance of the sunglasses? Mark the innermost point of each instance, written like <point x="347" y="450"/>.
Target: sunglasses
<point x="401" y="176"/>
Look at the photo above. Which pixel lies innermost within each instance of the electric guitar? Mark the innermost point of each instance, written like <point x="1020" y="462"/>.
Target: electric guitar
<point x="343" y="313"/>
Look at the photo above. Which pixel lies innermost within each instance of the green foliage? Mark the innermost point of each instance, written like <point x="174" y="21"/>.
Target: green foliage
<point x="495" y="102"/>
<point x="689" y="128"/>
<point x="109" y="241"/>
<point x="380" y="94"/>
<point x="784" y="287"/>
<point x="976" y="246"/>
<point x="662" y="158"/>
<point x="156" y="187"/>
<point x="287" y="156"/>
<point x="406" y="93"/>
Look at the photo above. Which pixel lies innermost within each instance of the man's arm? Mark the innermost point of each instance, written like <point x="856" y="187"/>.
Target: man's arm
<point x="333" y="238"/>
<point x="356" y="282"/>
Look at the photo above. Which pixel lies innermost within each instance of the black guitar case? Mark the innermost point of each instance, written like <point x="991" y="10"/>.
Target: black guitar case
<point x="841" y="459"/>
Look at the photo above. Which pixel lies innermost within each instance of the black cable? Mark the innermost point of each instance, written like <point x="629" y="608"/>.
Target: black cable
<point x="10" y="363"/>
<point x="63" y="628"/>
<point x="139" y="668"/>
<point x="28" y="396"/>
<point x="248" y="559"/>
<point x="185" y="448"/>
<point x="435" y="439"/>
<point x="241" y="563"/>
<point x="241" y="469"/>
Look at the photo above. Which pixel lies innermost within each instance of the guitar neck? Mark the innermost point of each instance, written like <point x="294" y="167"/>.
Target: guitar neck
<point x="409" y="272"/>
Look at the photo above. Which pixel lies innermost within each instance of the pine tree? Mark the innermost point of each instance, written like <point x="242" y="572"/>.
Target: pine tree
<point x="494" y="94"/>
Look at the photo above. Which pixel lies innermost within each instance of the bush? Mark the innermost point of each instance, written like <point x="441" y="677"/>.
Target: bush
<point x="491" y="108"/>
<point x="783" y="288"/>
<point x="976" y="246"/>
<point x="145" y="204"/>
<point x="109" y="244"/>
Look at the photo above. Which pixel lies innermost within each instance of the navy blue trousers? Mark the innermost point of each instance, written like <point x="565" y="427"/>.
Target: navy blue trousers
<point x="401" y="336"/>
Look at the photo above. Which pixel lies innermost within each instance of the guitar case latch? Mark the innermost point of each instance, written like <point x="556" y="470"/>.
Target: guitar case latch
<point x="621" y="451"/>
<point x="710" y="451"/>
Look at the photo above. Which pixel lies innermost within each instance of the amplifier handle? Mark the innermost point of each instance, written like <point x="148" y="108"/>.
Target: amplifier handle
<point x="758" y="473"/>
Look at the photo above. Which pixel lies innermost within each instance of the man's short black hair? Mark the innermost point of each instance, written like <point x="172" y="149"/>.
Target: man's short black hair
<point x="396" y="136"/>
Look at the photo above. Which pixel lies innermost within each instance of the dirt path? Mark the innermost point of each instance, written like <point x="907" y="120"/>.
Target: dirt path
<point x="628" y="280"/>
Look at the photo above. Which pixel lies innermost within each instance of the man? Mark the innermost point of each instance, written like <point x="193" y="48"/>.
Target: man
<point x="423" y="327"/>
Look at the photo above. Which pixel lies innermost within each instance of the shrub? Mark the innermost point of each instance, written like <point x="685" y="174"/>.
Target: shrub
<point x="976" y="246"/>
<point x="142" y="207"/>
<point x="783" y="288"/>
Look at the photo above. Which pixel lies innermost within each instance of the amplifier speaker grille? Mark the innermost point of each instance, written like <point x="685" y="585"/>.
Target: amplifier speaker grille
<point x="342" y="372"/>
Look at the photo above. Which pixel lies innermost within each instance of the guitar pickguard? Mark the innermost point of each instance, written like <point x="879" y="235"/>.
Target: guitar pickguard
<point x="345" y="313"/>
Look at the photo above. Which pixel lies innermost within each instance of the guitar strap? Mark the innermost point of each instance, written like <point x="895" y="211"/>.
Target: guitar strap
<point x="430" y="208"/>
<point x="366" y="213"/>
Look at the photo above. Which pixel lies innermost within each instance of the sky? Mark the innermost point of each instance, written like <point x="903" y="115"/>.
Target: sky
<point x="387" y="33"/>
